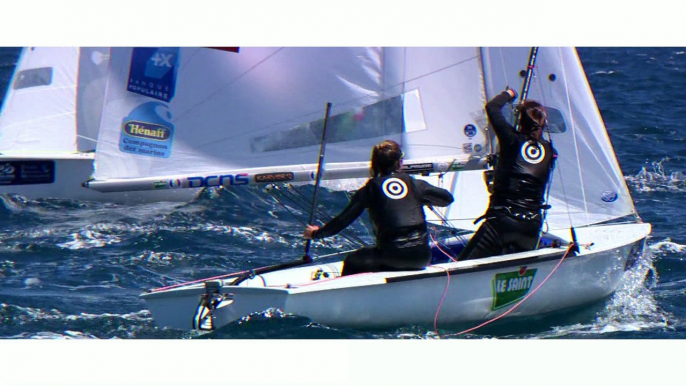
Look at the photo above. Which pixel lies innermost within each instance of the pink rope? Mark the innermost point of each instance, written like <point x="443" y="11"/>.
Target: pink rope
<point x="521" y="301"/>
<point x="445" y="291"/>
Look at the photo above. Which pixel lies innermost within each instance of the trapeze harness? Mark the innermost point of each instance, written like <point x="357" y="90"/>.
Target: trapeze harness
<point x="395" y="204"/>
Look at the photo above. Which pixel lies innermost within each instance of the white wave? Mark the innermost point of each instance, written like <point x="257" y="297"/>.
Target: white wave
<point x="633" y="307"/>
<point x="30" y="315"/>
<point x="52" y="335"/>
<point x="89" y="239"/>
<point x="667" y="246"/>
<point x="143" y="315"/>
<point x="32" y="282"/>
<point x="270" y="313"/>
<point x="13" y="203"/>
<point x="163" y="258"/>
<point x="658" y="179"/>
<point x="100" y="235"/>
<point x="603" y="328"/>
<point x="252" y="235"/>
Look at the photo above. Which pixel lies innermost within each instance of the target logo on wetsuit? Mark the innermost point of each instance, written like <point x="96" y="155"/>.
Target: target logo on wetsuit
<point x="532" y="152"/>
<point x="394" y="188"/>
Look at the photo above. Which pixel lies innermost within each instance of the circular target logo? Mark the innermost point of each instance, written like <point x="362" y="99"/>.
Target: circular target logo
<point x="394" y="188"/>
<point x="532" y="152"/>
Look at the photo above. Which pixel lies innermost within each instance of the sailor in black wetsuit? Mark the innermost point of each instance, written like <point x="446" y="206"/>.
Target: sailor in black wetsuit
<point x="395" y="203"/>
<point x="514" y="217"/>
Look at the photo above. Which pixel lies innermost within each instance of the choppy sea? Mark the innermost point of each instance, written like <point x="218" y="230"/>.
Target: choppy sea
<point x="75" y="270"/>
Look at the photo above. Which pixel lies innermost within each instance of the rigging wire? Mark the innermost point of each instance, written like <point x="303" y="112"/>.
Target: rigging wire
<point x="220" y="89"/>
<point x="448" y="224"/>
<point x="507" y="82"/>
<point x="576" y="144"/>
<point x="544" y="102"/>
<point x="323" y="215"/>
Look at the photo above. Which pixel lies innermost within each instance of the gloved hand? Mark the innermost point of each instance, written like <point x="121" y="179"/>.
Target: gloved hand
<point x="512" y="93"/>
<point x="309" y="231"/>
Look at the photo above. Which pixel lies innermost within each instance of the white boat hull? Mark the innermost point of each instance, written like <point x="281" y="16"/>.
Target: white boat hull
<point x="478" y="290"/>
<point x="71" y="170"/>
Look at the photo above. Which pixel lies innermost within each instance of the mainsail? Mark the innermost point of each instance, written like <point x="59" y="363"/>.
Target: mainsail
<point x="194" y="117"/>
<point x="54" y="100"/>
<point x="587" y="185"/>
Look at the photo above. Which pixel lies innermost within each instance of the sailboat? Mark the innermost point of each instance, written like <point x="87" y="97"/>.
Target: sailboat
<point x="49" y="125"/>
<point x="254" y="116"/>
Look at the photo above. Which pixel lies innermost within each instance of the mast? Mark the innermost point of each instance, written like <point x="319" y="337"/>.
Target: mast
<point x="306" y="257"/>
<point x="527" y="82"/>
<point x="322" y="149"/>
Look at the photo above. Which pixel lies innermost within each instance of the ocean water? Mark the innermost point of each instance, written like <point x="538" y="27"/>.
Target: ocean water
<point x="74" y="270"/>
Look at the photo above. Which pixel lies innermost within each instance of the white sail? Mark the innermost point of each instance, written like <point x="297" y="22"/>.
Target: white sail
<point x="90" y="96"/>
<point x="190" y="117"/>
<point x="41" y="113"/>
<point x="587" y="185"/>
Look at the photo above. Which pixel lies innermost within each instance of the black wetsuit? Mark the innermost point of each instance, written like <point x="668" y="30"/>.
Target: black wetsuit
<point x="514" y="217"/>
<point x="396" y="209"/>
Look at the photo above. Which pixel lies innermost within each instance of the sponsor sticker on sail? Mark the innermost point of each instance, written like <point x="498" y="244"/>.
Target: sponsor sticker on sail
<point x="510" y="287"/>
<point x="153" y="72"/>
<point x="147" y="131"/>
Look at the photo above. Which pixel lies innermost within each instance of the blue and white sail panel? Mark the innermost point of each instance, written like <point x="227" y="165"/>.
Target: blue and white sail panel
<point x="262" y="108"/>
<point x="41" y="111"/>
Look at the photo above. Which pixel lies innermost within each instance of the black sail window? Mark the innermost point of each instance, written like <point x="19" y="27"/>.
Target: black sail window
<point x="556" y="122"/>
<point x="33" y="78"/>
<point x="377" y="120"/>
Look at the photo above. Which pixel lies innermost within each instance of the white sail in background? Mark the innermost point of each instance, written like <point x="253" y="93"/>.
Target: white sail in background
<point x="93" y="63"/>
<point x="41" y="112"/>
<point x="190" y="117"/>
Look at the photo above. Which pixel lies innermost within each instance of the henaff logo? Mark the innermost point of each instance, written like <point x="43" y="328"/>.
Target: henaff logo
<point x="147" y="130"/>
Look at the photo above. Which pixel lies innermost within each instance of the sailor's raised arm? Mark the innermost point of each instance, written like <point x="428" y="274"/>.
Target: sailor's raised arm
<point x="495" y="114"/>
